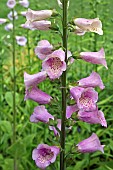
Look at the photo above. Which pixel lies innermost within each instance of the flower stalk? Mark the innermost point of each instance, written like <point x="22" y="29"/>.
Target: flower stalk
<point x="14" y="87"/>
<point x="63" y="116"/>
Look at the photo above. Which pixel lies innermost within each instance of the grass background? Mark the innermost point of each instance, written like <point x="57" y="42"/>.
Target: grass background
<point x="29" y="135"/>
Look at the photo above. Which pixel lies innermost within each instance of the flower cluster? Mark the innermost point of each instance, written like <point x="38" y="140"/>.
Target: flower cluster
<point x="84" y="94"/>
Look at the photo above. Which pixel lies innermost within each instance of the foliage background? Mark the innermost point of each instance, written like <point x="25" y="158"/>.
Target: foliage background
<point x="30" y="135"/>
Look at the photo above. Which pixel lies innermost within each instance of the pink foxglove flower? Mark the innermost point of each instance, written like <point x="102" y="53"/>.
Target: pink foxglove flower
<point x="86" y="98"/>
<point x="94" y="117"/>
<point x="43" y="49"/>
<point x="34" y="79"/>
<point x="44" y="155"/>
<point x="8" y="27"/>
<point x="56" y="133"/>
<point x="21" y="40"/>
<point x="93" y="80"/>
<point x="70" y="110"/>
<point x="90" y="144"/>
<point x="32" y="15"/>
<point x="37" y="95"/>
<point x="40" y="114"/>
<point x="24" y="3"/>
<point x="11" y="3"/>
<point x="38" y="25"/>
<point x="89" y="25"/>
<point x="3" y="20"/>
<point x="10" y="15"/>
<point x="55" y="64"/>
<point x="95" y="57"/>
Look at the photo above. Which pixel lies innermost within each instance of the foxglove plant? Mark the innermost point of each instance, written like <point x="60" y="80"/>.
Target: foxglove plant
<point x="54" y="66"/>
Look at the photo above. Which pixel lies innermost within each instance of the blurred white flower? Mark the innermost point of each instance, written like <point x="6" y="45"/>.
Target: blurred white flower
<point x="10" y="15"/>
<point x="11" y="3"/>
<point x="2" y="20"/>
<point x="21" y="40"/>
<point x="8" y="27"/>
<point x="24" y="3"/>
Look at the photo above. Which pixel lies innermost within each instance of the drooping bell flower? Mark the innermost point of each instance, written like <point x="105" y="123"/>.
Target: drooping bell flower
<point x="89" y="25"/>
<point x="38" y="25"/>
<point x="40" y="114"/>
<point x="55" y="64"/>
<point x="11" y="3"/>
<point x="8" y="27"/>
<point x="37" y="95"/>
<point x="44" y="155"/>
<point x="93" y="80"/>
<point x="32" y="15"/>
<point x="95" y="57"/>
<point x="24" y="3"/>
<point x="70" y="110"/>
<point x="34" y="79"/>
<point x="86" y="98"/>
<point x="43" y="49"/>
<point x="21" y="40"/>
<point x="56" y="133"/>
<point x="90" y="144"/>
<point x="2" y="21"/>
<point x="10" y="15"/>
<point x="94" y="117"/>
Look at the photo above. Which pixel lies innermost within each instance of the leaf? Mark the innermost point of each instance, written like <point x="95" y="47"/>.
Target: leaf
<point x="9" y="98"/>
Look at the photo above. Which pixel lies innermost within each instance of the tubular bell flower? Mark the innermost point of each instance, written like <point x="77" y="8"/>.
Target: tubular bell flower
<point x="32" y="15"/>
<point x="44" y="155"/>
<point x="21" y="40"/>
<point x="24" y="3"/>
<point x="92" y="117"/>
<point x="40" y="114"/>
<point x="55" y="64"/>
<point x="79" y="31"/>
<point x="11" y="3"/>
<point x="95" y="57"/>
<point x="2" y="20"/>
<point x="10" y="15"/>
<point x="34" y="79"/>
<point x="86" y="98"/>
<point x="43" y="49"/>
<point x="38" y="25"/>
<point x="37" y="95"/>
<point x="89" y="25"/>
<point x="93" y="80"/>
<point x="90" y="144"/>
<point x="70" y="110"/>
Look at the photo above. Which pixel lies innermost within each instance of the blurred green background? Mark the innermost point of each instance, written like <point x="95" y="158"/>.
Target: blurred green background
<point x="29" y="135"/>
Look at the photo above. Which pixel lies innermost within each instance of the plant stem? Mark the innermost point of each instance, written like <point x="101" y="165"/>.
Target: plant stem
<point x="63" y="133"/>
<point x="14" y="89"/>
<point x="28" y="48"/>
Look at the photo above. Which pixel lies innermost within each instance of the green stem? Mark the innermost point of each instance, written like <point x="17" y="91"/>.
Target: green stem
<point x="14" y="89"/>
<point x="28" y="48"/>
<point x="63" y="133"/>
